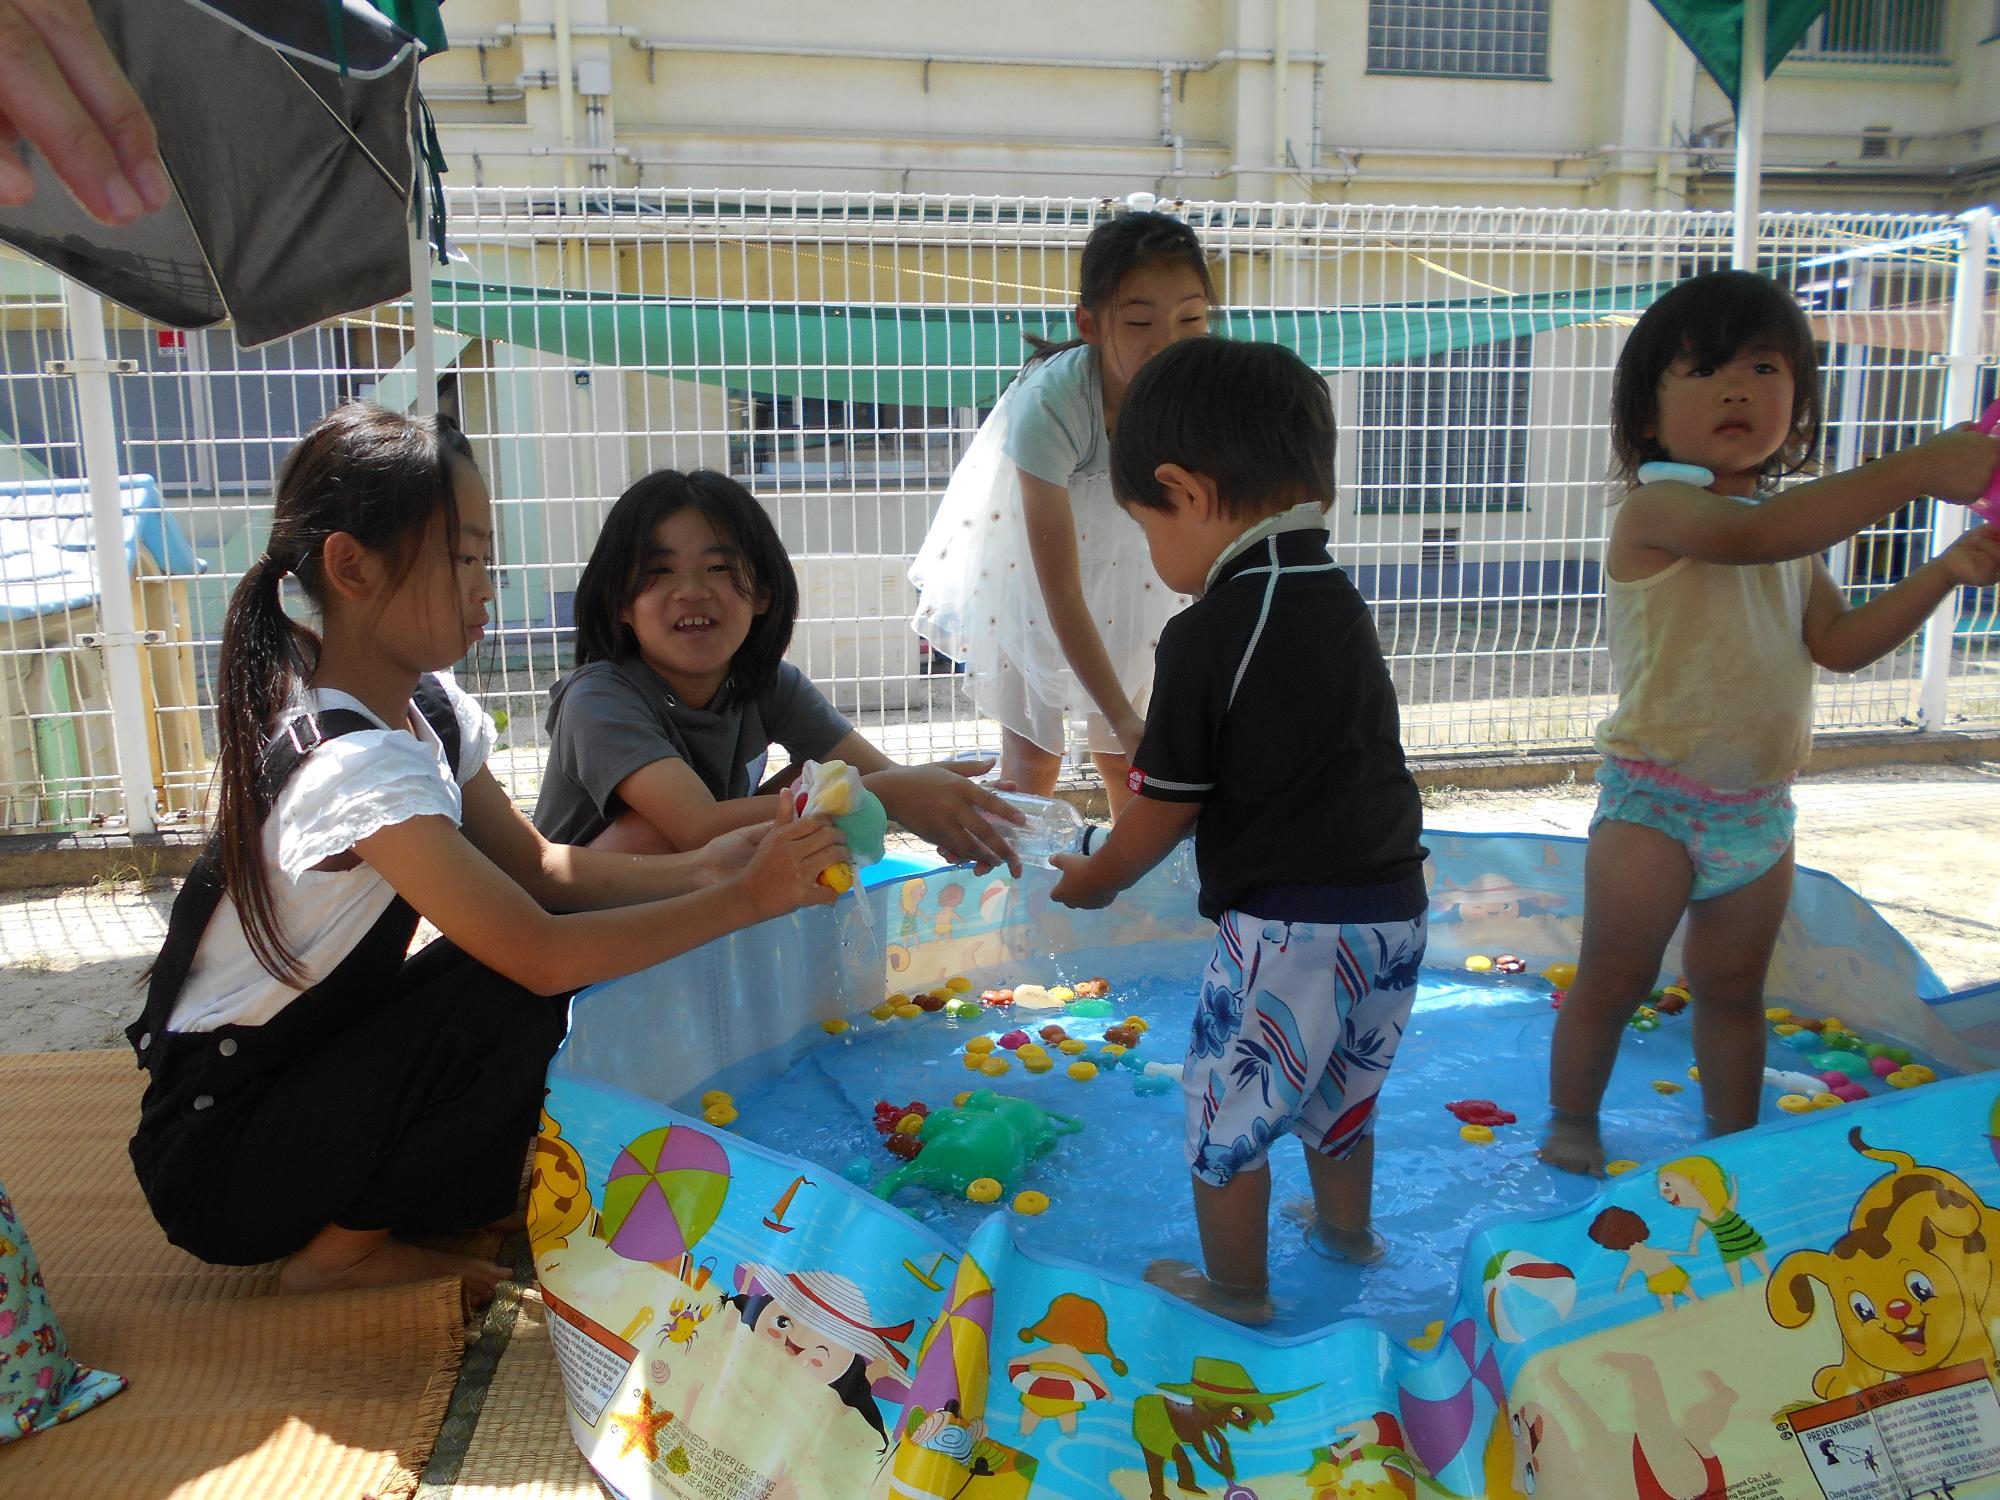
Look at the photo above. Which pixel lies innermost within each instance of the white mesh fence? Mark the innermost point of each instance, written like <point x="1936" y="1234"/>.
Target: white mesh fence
<point x="835" y="352"/>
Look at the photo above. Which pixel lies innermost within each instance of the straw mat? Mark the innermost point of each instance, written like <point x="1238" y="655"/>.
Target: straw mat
<point x="236" y="1393"/>
<point x="507" y="1437"/>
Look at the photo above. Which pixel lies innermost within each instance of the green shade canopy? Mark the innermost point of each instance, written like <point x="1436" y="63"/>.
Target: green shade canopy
<point x="951" y="356"/>
<point x="1713" y="31"/>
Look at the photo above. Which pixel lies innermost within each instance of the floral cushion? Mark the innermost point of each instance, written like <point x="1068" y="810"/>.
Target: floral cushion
<point x="40" y="1385"/>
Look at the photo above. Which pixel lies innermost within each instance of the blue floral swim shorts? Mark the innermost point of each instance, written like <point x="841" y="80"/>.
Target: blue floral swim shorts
<point x="1730" y="837"/>
<point x="1297" y="1026"/>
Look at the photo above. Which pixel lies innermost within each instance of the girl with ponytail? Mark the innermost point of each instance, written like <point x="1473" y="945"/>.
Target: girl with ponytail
<point x="316" y="1093"/>
<point x="1031" y="575"/>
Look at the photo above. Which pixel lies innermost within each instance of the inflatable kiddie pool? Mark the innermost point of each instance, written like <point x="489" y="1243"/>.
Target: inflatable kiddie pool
<point x="1803" y="1310"/>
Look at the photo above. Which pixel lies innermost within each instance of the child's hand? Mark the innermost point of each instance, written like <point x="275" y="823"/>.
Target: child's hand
<point x="783" y="874"/>
<point x="1076" y="888"/>
<point x="1957" y="465"/>
<point x="957" y="815"/>
<point x="729" y="853"/>
<point x="1974" y="559"/>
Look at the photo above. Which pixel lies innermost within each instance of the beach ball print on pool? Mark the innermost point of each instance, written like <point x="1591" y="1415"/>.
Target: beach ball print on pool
<point x="664" y="1193"/>
<point x="40" y="1385"/>
<point x="1526" y="1295"/>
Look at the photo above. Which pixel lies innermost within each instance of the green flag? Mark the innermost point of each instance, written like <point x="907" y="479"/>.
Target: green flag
<point x="418" y="17"/>
<point x="1713" y="31"/>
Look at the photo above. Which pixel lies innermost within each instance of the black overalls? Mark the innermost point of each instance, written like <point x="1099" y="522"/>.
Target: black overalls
<point x="397" y="1093"/>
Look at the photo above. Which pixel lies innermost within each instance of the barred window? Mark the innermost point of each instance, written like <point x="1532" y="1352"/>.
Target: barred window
<point x="1908" y="32"/>
<point x="1446" y="434"/>
<point x="1459" y="38"/>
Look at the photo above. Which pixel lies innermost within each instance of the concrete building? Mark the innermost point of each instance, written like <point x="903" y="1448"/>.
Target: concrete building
<point x="1557" y="103"/>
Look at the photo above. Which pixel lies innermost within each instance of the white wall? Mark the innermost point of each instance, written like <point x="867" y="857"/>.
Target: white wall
<point x="1620" y="86"/>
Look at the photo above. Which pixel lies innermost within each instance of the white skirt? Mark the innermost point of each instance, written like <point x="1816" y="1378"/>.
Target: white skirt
<point x="980" y="603"/>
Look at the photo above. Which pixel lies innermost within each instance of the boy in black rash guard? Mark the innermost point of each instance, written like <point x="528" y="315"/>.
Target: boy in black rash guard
<point x="1273" y="732"/>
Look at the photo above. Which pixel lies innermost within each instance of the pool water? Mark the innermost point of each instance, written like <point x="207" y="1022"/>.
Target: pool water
<point x="1118" y="1191"/>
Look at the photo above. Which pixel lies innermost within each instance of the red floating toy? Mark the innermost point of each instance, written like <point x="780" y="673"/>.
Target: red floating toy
<point x="887" y="1114"/>
<point x="997" y="999"/>
<point x="1481" y="1112"/>
<point x="1012" y="1039"/>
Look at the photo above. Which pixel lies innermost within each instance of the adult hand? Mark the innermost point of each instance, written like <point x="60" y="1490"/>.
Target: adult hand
<point x="968" y="765"/>
<point x="63" y="92"/>
<point x="783" y="874"/>
<point x="965" y="820"/>
<point x="1076" y="888"/>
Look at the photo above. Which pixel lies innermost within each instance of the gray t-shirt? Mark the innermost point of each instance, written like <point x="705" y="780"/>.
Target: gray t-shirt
<point x="611" y="718"/>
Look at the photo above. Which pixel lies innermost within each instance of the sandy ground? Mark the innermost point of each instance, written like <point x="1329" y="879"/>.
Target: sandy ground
<point x="1922" y="843"/>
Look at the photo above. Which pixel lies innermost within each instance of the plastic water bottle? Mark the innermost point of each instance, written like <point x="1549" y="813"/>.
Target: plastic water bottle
<point x="1053" y="827"/>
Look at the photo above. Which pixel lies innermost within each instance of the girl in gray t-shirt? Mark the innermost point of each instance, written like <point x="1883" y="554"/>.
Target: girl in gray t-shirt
<point x="658" y="739"/>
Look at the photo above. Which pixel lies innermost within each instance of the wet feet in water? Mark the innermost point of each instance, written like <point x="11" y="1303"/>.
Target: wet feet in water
<point x="1353" y="1247"/>
<point x="1186" y="1281"/>
<point x="1573" y="1144"/>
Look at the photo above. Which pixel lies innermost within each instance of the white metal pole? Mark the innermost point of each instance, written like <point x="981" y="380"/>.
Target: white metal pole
<point x="1749" y="134"/>
<point x="1961" y="395"/>
<point x="1853" y="365"/>
<point x="120" y="637"/>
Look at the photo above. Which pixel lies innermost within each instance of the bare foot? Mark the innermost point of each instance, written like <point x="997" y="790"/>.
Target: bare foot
<point x="1353" y="1247"/>
<point x="1186" y="1281"/>
<point x="1573" y="1144"/>
<point x="337" y="1259"/>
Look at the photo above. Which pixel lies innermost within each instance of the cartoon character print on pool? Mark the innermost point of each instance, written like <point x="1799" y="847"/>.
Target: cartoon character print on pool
<point x="932" y="912"/>
<point x="1367" y="1460"/>
<point x="1220" y="1397"/>
<point x="1057" y="1381"/>
<point x="1619" y="1229"/>
<point x="558" y="1196"/>
<point x="1494" y="913"/>
<point x="1537" y="1449"/>
<point x="822" y="1322"/>
<point x="1699" y="1183"/>
<point x="1911" y="1283"/>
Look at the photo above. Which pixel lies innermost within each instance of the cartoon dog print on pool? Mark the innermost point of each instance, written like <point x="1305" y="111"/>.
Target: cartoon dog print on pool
<point x="1220" y="1397"/>
<point x="1911" y="1282"/>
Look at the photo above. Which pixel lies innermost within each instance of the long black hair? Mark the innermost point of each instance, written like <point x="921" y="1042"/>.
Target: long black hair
<point x="1710" y="319"/>
<point x="380" y="477"/>
<point x="1115" y="249"/>
<point x="758" y="564"/>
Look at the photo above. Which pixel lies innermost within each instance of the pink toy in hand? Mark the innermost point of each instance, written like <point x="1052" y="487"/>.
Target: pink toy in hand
<point x="1987" y="506"/>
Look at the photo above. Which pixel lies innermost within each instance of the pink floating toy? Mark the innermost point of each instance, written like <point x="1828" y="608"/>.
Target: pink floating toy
<point x="1987" y="506"/>
<point x="1882" y="1067"/>
<point x="1014" y="1039"/>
